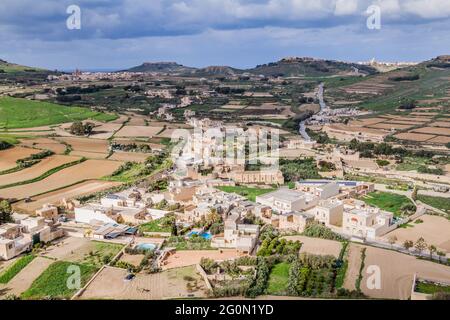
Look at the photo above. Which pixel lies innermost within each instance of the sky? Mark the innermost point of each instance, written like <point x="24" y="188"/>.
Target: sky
<point x="117" y="34"/>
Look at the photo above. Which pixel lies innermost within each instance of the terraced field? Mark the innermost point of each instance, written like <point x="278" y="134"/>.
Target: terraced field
<point x="90" y="169"/>
<point x="35" y="171"/>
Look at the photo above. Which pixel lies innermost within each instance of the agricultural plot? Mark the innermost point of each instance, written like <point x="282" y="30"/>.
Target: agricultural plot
<point x="36" y="170"/>
<point x="185" y="258"/>
<point x="9" y="157"/>
<point x="22" y="113"/>
<point x="170" y="284"/>
<point x="90" y="169"/>
<point x="397" y="272"/>
<point x="52" y="282"/>
<point x="317" y="245"/>
<point x="45" y="144"/>
<point x="105" y="131"/>
<point x="87" y="145"/>
<point x="129" y="156"/>
<point x="55" y="197"/>
<point x="139" y="131"/>
<point x="434" y="229"/>
<point x="25" y="277"/>
<point x="84" y="251"/>
<point x="387" y="201"/>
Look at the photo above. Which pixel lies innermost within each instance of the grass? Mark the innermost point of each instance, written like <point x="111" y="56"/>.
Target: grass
<point x="361" y="268"/>
<point x="440" y="203"/>
<point x="158" y="225"/>
<point x="387" y="201"/>
<point x="193" y="243"/>
<point x="411" y="164"/>
<point x="44" y="175"/>
<point x="12" y="139"/>
<point x="53" y="282"/>
<point x="249" y="193"/>
<point x="101" y="251"/>
<point x="15" y="268"/>
<point x="342" y="270"/>
<point x="22" y="113"/>
<point x="278" y="278"/>
<point x="430" y="288"/>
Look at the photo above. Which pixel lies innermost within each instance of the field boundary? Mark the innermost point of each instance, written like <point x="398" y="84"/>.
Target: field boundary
<point x="44" y="175"/>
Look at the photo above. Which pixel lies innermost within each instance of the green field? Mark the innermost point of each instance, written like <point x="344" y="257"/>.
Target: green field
<point x="52" y="283"/>
<point x="159" y="225"/>
<point x="436" y="202"/>
<point x="15" y="268"/>
<point x="102" y="253"/>
<point x="387" y="201"/>
<point x="249" y="193"/>
<point x="14" y="68"/>
<point x="430" y="288"/>
<point x="278" y="279"/>
<point x="22" y="113"/>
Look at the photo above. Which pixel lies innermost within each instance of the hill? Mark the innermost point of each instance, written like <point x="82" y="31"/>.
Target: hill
<point x="22" y="113"/>
<point x="287" y="67"/>
<point x="7" y="67"/>
<point x="385" y="92"/>
<point x="218" y="71"/>
<point x="161" y="67"/>
<point x="310" y="67"/>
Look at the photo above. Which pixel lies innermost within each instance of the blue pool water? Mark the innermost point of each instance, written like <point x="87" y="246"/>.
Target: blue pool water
<point x="204" y="235"/>
<point x="146" y="246"/>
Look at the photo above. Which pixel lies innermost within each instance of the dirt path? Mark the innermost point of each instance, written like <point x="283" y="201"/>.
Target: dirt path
<point x="23" y="280"/>
<point x="354" y="264"/>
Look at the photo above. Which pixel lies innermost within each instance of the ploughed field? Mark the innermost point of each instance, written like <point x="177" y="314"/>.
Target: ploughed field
<point x="88" y="170"/>
<point x="55" y="197"/>
<point x="35" y="171"/>
<point x="9" y="157"/>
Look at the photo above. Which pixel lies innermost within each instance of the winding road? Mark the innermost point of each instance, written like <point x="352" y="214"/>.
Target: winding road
<point x="323" y="106"/>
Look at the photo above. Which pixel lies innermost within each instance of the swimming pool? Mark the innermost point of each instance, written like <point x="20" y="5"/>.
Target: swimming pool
<point x="204" y="235"/>
<point x="146" y="246"/>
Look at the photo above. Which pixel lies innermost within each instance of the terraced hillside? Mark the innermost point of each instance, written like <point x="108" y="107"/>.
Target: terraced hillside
<point x="425" y="84"/>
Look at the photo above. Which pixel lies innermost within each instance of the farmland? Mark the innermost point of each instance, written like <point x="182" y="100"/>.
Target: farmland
<point x="387" y="201"/>
<point x="90" y="169"/>
<point x="67" y="193"/>
<point x="21" y="113"/>
<point x="35" y="171"/>
<point x="53" y="281"/>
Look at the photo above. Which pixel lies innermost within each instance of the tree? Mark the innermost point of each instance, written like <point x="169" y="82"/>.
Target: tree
<point x="408" y="208"/>
<point x="440" y="254"/>
<point x="77" y="128"/>
<point x="5" y="212"/>
<point x="414" y="193"/>
<point x="432" y="249"/>
<point x="408" y="244"/>
<point x="392" y="240"/>
<point x="174" y="228"/>
<point x="420" y="245"/>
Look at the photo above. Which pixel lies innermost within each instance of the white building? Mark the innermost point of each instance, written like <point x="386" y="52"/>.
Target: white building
<point x="285" y="200"/>
<point x="242" y="237"/>
<point x="365" y="222"/>
<point x="328" y="212"/>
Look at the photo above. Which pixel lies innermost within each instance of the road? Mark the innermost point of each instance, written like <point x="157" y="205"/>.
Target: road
<point x="323" y="106"/>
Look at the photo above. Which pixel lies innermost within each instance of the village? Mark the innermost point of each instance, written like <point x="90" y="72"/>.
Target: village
<point x="223" y="204"/>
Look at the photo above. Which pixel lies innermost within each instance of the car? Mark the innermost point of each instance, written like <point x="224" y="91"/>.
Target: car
<point x="129" y="277"/>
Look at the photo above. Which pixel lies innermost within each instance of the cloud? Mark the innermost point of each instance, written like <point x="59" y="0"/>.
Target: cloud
<point x="117" y="19"/>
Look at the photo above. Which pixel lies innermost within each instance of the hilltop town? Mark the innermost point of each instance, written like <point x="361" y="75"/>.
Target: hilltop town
<point x="296" y="178"/>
